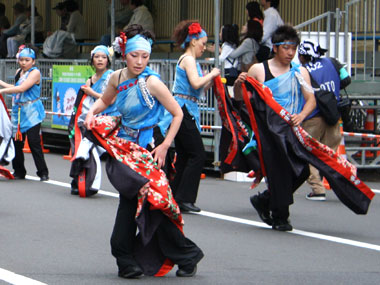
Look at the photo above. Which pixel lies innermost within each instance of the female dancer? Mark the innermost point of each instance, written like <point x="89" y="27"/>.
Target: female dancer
<point x="94" y="89"/>
<point x="189" y="83"/>
<point x="146" y="199"/>
<point x="27" y="113"/>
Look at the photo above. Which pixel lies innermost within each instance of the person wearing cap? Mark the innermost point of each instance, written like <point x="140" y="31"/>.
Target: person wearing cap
<point x="61" y="11"/>
<point x="328" y="74"/>
<point x="146" y="199"/>
<point x="27" y="113"/>
<point x="76" y="24"/>
<point x="20" y="17"/>
<point x="93" y="90"/>
<point x="290" y="86"/>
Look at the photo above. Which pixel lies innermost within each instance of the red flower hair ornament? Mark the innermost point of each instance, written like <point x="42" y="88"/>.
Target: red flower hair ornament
<point x="195" y="32"/>
<point x="195" y="28"/>
<point x="120" y="43"/>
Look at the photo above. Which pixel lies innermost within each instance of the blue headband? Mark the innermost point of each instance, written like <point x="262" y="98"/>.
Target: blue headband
<point x="138" y="42"/>
<point x="202" y="34"/>
<point x="285" y="43"/>
<point x="100" y="48"/>
<point x="27" y="52"/>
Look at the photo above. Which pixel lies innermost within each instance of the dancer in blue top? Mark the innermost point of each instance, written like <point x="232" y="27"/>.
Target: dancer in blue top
<point x="27" y="113"/>
<point x="94" y="89"/>
<point x="189" y="83"/>
<point x="97" y="83"/>
<point x="290" y="86"/>
<point x="140" y="97"/>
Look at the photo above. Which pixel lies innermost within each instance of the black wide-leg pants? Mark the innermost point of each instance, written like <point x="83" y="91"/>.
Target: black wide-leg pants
<point x="173" y="244"/>
<point x="34" y="140"/>
<point x="190" y="159"/>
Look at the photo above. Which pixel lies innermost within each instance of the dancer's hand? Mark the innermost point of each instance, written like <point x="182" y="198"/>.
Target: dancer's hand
<point x="89" y="122"/>
<point x="159" y="155"/>
<point x="296" y="119"/>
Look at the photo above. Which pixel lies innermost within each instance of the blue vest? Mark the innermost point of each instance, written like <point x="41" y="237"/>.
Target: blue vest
<point x="323" y="72"/>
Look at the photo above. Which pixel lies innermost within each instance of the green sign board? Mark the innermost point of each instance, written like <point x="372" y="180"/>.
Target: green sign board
<point x="67" y="79"/>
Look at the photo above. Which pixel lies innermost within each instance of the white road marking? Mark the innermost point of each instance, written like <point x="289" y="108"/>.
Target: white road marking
<point x="16" y="279"/>
<point x="252" y="223"/>
<point x="296" y="232"/>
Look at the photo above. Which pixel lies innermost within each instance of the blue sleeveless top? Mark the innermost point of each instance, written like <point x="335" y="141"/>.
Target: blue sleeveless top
<point x="286" y="90"/>
<point x="99" y="87"/>
<point x="32" y="111"/>
<point x="138" y="114"/>
<point x="183" y="86"/>
<point x="323" y="71"/>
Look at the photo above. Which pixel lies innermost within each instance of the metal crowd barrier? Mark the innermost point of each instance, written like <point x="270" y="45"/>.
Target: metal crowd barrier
<point x="209" y="115"/>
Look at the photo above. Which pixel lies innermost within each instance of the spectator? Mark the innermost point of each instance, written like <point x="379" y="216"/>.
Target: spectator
<point x="61" y="11"/>
<point x="76" y="24"/>
<point x="273" y="205"/>
<point x="20" y="16"/>
<point x="254" y="12"/>
<point x="229" y="37"/>
<point x="62" y="43"/>
<point x="327" y="74"/>
<point x="14" y="42"/>
<point x="141" y="15"/>
<point x="4" y="22"/>
<point x="122" y="18"/>
<point x="272" y="20"/>
<point x="248" y="48"/>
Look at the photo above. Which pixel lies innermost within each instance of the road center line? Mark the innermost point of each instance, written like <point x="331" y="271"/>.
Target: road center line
<point x="249" y="222"/>
<point x="16" y="279"/>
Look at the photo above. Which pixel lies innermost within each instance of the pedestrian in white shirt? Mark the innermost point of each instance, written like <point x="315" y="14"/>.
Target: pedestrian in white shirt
<point x="272" y="20"/>
<point x="141" y="16"/>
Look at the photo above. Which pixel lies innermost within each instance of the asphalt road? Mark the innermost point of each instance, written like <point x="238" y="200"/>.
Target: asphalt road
<point x="48" y="236"/>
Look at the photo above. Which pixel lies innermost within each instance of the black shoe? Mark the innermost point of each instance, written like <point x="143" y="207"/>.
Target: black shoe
<point x="131" y="271"/>
<point x="282" y="225"/>
<point x="188" y="207"/>
<point x="264" y="213"/>
<point x="18" y="177"/>
<point x="187" y="272"/>
<point x="91" y="192"/>
<point x="74" y="191"/>
<point x="44" y="177"/>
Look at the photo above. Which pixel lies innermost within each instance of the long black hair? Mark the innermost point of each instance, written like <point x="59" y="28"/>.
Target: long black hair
<point x="254" y="30"/>
<point x="230" y="34"/>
